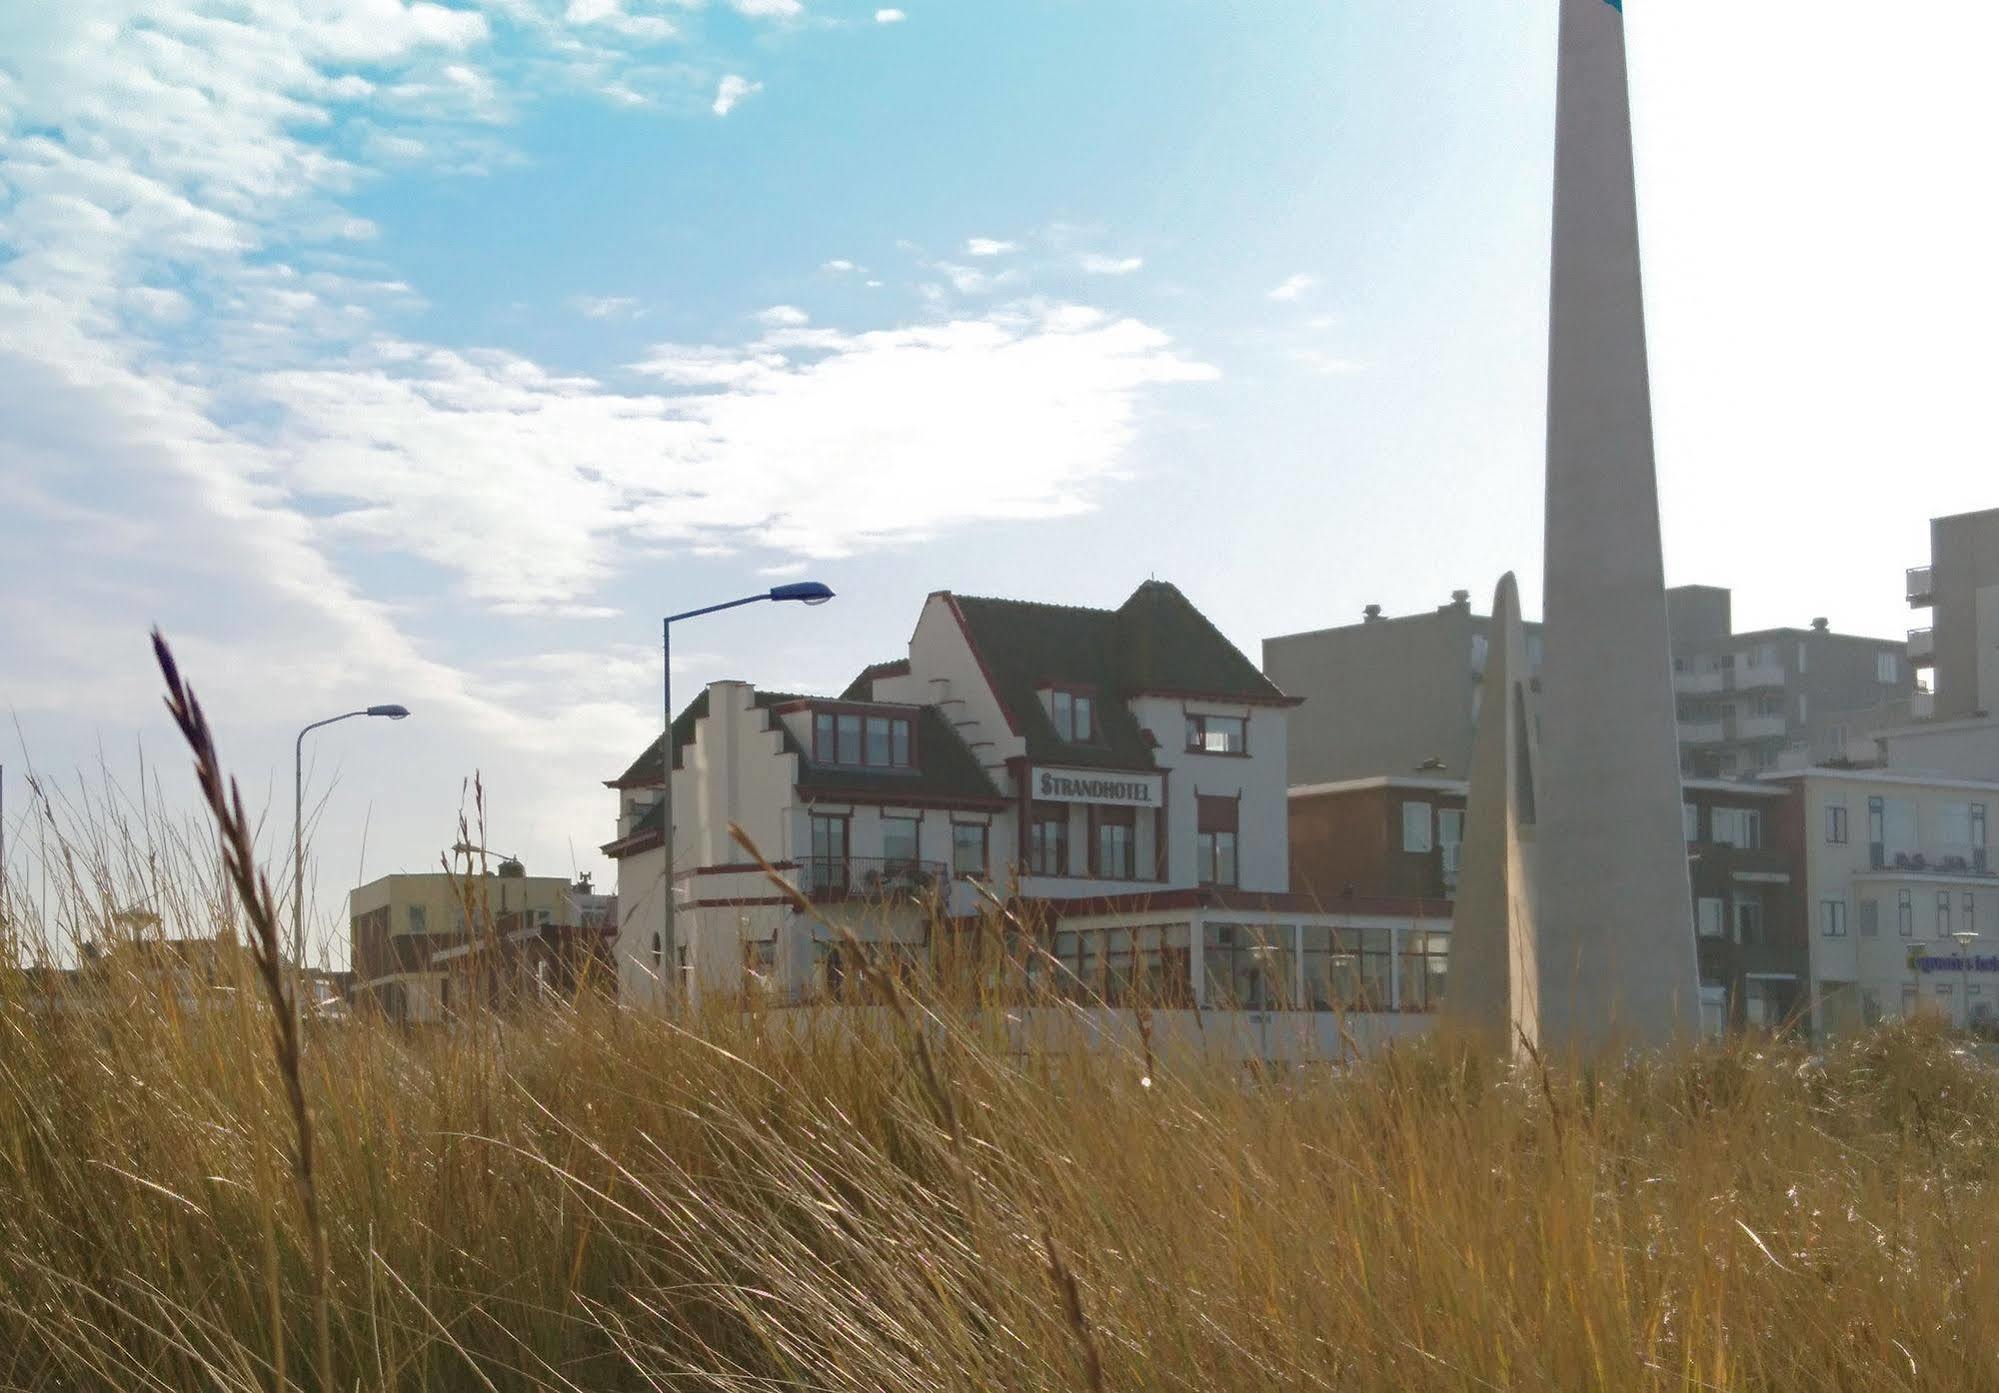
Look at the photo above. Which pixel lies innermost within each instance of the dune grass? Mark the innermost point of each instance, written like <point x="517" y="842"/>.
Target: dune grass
<point x="579" y="1198"/>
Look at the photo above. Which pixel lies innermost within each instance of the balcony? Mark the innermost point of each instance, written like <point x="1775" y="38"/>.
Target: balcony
<point x="1699" y="683"/>
<point x="1922" y="587"/>
<point x="1967" y="863"/>
<point x="875" y="879"/>
<point x="1751" y="677"/>
<point x="1702" y="733"/>
<point x="1923" y="647"/>
<point x="1757" y="728"/>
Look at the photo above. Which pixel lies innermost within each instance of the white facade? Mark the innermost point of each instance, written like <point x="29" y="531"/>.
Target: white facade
<point x="1895" y="865"/>
<point x="985" y="805"/>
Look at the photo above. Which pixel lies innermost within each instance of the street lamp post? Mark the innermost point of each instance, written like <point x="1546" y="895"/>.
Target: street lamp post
<point x="1965" y="938"/>
<point x="394" y="713"/>
<point x="809" y="592"/>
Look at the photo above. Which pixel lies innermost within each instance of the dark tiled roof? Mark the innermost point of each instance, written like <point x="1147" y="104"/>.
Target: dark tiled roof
<point x="862" y="688"/>
<point x="1155" y="642"/>
<point x="950" y="769"/>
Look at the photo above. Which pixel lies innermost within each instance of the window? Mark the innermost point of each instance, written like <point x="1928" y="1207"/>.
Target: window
<point x="828" y="870"/>
<point x="1737" y="827"/>
<point x="1908" y="1000"/>
<point x="1905" y="913"/>
<point x="1116" y="844"/>
<point x="1215" y="851"/>
<point x="1870" y="918"/>
<point x="1690" y="822"/>
<point x="861" y="741"/>
<point x="1870" y="1007"/>
<point x="1048" y="839"/>
<point x="1978" y="836"/>
<point x="1888" y="667"/>
<point x="1250" y="966"/>
<point x="1349" y="969"/>
<point x="969" y="848"/>
<point x="1804" y="659"/>
<point x="1943" y="914"/>
<point x="1074" y="714"/>
<point x="1749" y="919"/>
<point x="1416" y="830"/>
<point x="1954" y="825"/>
<point x="1803" y="709"/>
<point x="416" y="919"/>
<point x="1877" y="832"/>
<point x="902" y="845"/>
<point x="1708" y="918"/>
<point x="1832" y="918"/>
<point x="1835" y="823"/>
<point x="1451" y="837"/>
<point x="1714" y="1010"/>
<point x="1217" y="735"/>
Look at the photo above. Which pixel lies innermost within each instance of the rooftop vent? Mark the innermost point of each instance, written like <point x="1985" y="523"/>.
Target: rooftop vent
<point x="1461" y="597"/>
<point x="1821" y="625"/>
<point x="1372" y="614"/>
<point x="512" y="870"/>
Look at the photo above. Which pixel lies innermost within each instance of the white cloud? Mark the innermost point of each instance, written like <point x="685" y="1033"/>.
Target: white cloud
<point x="1099" y="265"/>
<point x="783" y="317"/>
<point x="987" y="246"/>
<point x="604" y="306"/>
<point x="839" y="266"/>
<point x="768" y="9"/>
<point x="1294" y="288"/>
<point x="890" y="16"/>
<point x="731" y="92"/>
<point x="785" y="571"/>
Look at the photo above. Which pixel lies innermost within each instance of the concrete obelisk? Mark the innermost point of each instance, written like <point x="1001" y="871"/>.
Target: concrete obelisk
<point x="1617" y="949"/>
<point x="1495" y="968"/>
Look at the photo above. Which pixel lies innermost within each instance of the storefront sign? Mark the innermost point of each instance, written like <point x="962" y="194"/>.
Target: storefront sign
<point x="1953" y="964"/>
<point x="1098" y="786"/>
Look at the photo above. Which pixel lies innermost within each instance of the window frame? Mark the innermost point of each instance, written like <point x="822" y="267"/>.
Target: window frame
<point x="1077" y="699"/>
<point x="830" y="721"/>
<point x="1429" y="827"/>
<point x="1835" y="824"/>
<point x="1041" y="816"/>
<point x="915" y="857"/>
<point x="1197" y="734"/>
<point x="985" y="831"/>
<point x="1209" y="840"/>
<point x="1832" y="918"/>
<point x="1905" y="913"/>
<point x="1112" y="819"/>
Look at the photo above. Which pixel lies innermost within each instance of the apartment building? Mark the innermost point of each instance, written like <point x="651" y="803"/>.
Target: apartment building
<point x="1746" y="698"/>
<point x="409" y="936"/>
<point x="1398" y="839"/>
<point x="1395" y="696"/>
<point x="1897" y="866"/>
<point x="1960" y="588"/>
<point x="1387" y="695"/>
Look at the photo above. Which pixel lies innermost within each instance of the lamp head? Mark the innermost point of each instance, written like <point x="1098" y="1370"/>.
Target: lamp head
<point x="809" y="592"/>
<point x="394" y="713"/>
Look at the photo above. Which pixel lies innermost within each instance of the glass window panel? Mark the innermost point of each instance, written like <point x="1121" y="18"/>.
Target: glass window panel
<point x="1416" y="833"/>
<point x="899" y="748"/>
<point x="878" y="741"/>
<point x="849" y="740"/>
<point x="968" y="849"/>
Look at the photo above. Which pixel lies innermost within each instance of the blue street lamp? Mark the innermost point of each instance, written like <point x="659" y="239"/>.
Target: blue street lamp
<point x="806" y="592"/>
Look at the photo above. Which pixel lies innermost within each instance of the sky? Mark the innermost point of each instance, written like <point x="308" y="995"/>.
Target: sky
<point x="430" y="352"/>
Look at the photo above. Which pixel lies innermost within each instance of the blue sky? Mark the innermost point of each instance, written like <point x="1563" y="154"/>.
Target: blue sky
<point x="383" y="351"/>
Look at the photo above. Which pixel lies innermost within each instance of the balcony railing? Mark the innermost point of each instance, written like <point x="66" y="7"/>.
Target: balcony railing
<point x="1702" y="732"/>
<point x="1922" y="586"/>
<point x="1700" y="683"/>
<point x="877" y="878"/>
<point x="1749" y="677"/>
<point x="1769" y="727"/>
<point x="1972" y="861"/>
<point x="1923" y="647"/>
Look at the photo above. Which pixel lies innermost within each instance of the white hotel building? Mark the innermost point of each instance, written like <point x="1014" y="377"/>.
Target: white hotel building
<point x="1896" y="864"/>
<point x="1121" y="771"/>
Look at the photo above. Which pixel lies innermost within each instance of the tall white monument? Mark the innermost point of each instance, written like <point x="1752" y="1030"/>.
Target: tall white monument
<point x="1616" y="942"/>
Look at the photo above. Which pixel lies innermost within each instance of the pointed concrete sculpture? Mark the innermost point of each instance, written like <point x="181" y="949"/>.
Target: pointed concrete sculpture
<point x="1616" y="941"/>
<point x="1495" y="965"/>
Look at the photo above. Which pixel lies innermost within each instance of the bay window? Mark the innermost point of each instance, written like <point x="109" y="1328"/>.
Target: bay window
<point x="861" y="740"/>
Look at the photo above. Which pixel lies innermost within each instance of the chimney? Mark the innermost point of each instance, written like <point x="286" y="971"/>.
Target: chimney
<point x="1371" y="615"/>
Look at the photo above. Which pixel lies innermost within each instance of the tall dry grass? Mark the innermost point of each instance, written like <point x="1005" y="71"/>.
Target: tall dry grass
<point x="584" y="1199"/>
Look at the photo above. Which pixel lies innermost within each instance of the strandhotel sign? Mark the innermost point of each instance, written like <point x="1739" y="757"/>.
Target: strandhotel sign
<point x="1114" y="788"/>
